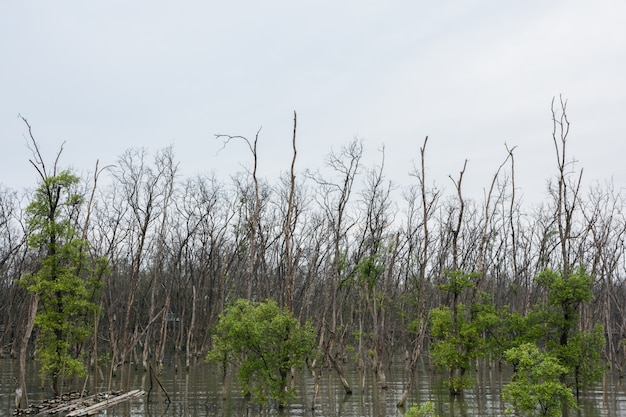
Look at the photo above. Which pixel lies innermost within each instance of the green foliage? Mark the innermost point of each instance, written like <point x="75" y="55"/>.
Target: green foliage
<point x="342" y="262"/>
<point x="458" y="281"/>
<point x="265" y="343"/>
<point x="441" y="325"/>
<point x="514" y="329"/>
<point x="457" y="350"/>
<point x="536" y="389"/>
<point x="485" y="319"/>
<point x="576" y="349"/>
<point x="571" y="358"/>
<point x="425" y="410"/>
<point x="369" y="270"/>
<point x="582" y="356"/>
<point x="49" y="213"/>
<point x="569" y="290"/>
<point x="460" y="332"/>
<point x="65" y="282"/>
<point x="366" y="272"/>
<point x="565" y="294"/>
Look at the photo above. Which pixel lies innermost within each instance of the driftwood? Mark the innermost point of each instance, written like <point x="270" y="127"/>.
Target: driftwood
<point x="62" y="404"/>
<point x="109" y="402"/>
<point x="76" y="405"/>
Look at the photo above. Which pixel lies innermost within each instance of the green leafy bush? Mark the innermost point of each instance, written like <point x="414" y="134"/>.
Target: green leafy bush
<point x="536" y="389"/>
<point x="264" y="343"/>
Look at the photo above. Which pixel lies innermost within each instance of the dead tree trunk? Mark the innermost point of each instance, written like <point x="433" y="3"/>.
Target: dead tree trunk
<point x="288" y="231"/>
<point x="428" y="204"/>
<point x="28" y="330"/>
<point x="191" y="329"/>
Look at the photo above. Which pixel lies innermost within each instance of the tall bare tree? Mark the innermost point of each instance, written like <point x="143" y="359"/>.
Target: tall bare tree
<point x="256" y="207"/>
<point x="333" y="199"/>
<point x="288" y="231"/>
<point x="419" y="228"/>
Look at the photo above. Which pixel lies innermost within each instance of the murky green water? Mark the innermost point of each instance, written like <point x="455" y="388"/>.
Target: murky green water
<point x="198" y="393"/>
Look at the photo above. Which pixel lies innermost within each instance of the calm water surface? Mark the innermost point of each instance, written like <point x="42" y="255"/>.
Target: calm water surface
<point x="198" y="393"/>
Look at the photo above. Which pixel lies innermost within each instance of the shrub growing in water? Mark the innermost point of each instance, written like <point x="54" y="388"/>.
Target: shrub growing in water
<point x="264" y="343"/>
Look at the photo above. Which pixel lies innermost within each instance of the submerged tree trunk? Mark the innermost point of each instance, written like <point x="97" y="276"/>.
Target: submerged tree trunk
<point x="417" y="350"/>
<point x="344" y="382"/>
<point x="191" y="328"/>
<point x="160" y="354"/>
<point x="28" y="330"/>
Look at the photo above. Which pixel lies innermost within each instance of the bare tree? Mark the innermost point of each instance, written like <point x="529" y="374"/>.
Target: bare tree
<point x="143" y="193"/>
<point x="288" y="262"/>
<point x="167" y="170"/>
<point x="333" y="199"/>
<point x="376" y="254"/>
<point x="566" y="190"/>
<point x="428" y="203"/>
<point x="606" y="224"/>
<point x="256" y="208"/>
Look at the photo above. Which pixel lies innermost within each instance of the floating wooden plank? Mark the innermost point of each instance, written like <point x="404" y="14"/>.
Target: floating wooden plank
<point x="109" y="402"/>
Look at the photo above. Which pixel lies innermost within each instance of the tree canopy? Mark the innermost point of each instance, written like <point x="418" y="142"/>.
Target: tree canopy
<point x="264" y="343"/>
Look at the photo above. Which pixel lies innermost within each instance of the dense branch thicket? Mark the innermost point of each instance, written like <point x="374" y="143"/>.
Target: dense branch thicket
<point x="366" y="259"/>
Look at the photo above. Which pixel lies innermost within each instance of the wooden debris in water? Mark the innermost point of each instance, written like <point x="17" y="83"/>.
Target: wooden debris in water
<point x="109" y="402"/>
<point x="75" y="405"/>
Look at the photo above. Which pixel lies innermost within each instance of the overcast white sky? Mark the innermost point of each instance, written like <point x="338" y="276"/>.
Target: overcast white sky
<point x="104" y="76"/>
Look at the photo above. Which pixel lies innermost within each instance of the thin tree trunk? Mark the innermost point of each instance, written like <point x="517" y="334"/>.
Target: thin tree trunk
<point x="340" y="373"/>
<point x="146" y="342"/>
<point x="28" y="330"/>
<point x="191" y="327"/>
<point x="417" y="350"/>
<point x="289" y="267"/>
<point x="163" y="333"/>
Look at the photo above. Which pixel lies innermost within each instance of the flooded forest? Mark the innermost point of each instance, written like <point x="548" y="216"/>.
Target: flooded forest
<point x="137" y="264"/>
